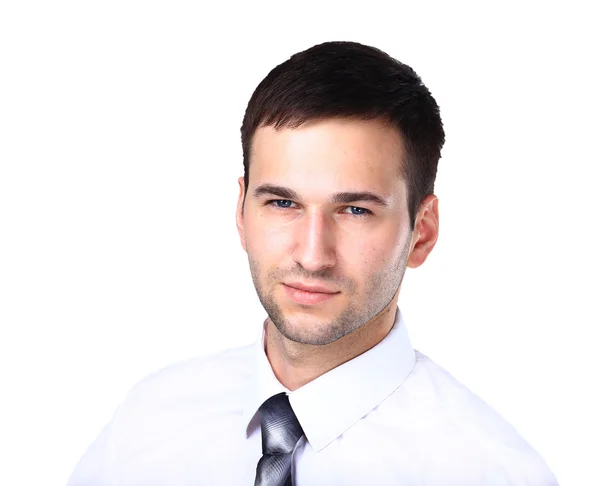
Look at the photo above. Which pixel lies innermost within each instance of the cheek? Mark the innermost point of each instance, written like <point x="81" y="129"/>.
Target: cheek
<point x="370" y="255"/>
<point x="358" y="257"/>
<point x="266" y="241"/>
<point x="371" y="247"/>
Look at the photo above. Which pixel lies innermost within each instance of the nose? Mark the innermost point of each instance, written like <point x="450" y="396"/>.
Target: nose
<point x="315" y="242"/>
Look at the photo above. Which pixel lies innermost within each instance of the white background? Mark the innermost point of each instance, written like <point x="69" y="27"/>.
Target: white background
<point x="119" y="153"/>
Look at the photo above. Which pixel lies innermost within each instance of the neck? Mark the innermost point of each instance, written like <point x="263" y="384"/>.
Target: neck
<point x="296" y="364"/>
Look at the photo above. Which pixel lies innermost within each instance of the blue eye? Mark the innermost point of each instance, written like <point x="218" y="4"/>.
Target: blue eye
<point x="356" y="211"/>
<point x="281" y="203"/>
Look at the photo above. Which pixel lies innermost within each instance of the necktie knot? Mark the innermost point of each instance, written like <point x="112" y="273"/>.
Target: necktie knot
<point x="280" y="431"/>
<point x="280" y="427"/>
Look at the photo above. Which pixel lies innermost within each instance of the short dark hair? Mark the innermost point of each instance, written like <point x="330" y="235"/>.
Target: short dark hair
<point x="351" y="80"/>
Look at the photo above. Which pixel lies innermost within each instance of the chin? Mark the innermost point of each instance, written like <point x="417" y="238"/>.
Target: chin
<point x="307" y="328"/>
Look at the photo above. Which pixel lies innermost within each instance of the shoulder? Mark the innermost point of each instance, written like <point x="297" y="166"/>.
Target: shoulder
<point x="196" y="378"/>
<point x="165" y="414"/>
<point x="182" y="396"/>
<point x="172" y="407"/>
<point x="443" y="393"/>
<point x="462" y="422"/>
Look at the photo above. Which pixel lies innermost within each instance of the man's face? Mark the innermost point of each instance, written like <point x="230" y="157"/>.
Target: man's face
<point x="325" y="210"/>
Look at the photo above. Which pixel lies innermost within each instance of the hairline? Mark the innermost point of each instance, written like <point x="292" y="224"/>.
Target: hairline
<point x="405" y="158"/>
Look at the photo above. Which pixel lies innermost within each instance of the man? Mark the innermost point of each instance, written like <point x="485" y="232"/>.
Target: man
<point x="341" y="145"/>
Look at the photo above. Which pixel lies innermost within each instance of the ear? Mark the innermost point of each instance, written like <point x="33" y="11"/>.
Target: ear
<point x="239" y="214"/>
<point x="426" y="231"/>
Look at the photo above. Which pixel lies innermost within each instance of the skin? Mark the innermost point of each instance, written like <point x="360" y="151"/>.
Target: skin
<point x="357" y="248"/>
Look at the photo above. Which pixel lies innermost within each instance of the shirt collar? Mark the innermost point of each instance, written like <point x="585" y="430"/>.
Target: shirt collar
<point x="329" y="405"/>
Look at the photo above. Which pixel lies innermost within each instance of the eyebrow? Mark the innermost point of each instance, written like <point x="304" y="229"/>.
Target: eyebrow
<point x="337" y="198"/>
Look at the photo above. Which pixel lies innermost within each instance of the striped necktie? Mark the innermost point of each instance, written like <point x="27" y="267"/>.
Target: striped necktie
<point x="280" y="432"/>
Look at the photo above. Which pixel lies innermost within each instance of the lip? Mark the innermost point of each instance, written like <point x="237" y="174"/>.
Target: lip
<point x="311" y="288"/>
<point x="308" y="297"/>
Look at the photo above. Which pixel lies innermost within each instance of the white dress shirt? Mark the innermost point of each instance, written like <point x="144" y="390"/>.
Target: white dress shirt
<point x="390" y="416"/>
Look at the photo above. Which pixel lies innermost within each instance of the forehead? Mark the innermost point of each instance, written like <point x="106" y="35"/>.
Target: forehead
<point x="329" y="155"/>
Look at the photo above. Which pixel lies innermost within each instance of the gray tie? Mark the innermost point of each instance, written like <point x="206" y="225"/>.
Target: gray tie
<point x="280" y="432"/>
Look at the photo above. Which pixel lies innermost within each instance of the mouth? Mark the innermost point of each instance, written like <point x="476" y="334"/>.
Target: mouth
<point x="308" y="294"/>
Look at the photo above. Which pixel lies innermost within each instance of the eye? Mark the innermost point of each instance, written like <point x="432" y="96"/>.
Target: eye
<point x="280" y="203"/>
<point x="357" y="211"/>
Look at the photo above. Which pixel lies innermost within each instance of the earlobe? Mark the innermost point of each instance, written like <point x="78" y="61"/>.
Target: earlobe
<point x="426" y="231"/>
<point x="239" y="214"/>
